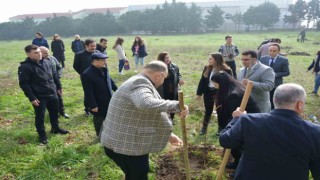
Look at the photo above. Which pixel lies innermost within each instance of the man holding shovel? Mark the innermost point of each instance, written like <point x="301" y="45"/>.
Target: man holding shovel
<point x="137" y="122"/>
<point x="279" y="144"/>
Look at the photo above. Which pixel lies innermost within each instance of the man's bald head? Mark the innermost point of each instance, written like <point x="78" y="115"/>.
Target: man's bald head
<point x="44" y="52"/>
<point x="286" y="96"/>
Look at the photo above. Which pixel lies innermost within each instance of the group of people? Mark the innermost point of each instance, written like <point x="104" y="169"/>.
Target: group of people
<point x="136" y="118"/>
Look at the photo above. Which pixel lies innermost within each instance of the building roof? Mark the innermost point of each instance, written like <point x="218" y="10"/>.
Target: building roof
<point x="41" y="16"/>
<point x="101" y="10"/>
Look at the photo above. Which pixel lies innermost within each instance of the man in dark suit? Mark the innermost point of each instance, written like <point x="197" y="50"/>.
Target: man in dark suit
<point x="276" y="145"/>
<point x="98" y="88"/>
<point x="82" y="61"/>
<point x="279" y="64"/>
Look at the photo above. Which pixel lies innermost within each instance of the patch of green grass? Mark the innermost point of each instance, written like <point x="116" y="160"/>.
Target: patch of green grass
<point x="77" y="155"/>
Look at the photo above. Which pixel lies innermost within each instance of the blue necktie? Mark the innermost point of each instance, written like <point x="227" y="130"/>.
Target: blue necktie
<point x="271" y="63"/>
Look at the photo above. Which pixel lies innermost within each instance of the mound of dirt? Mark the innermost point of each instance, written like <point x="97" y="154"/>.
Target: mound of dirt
<point x="204" y="163"/>
<point x="299" y="53"/>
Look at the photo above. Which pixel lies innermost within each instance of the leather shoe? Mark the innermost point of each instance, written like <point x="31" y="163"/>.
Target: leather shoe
<point x="59" y="131"/>
<point x="232" y="165"/>
<point x="203" y="131"/>
<point x="43" y="140"/>
<point x="65" y="115"/>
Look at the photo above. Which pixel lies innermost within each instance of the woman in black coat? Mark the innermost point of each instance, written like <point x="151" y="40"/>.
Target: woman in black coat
<point x="170" y="86"/>
<point x="229" y="97"/>
<point x="57" y="48"/>
<point x="206" y="87"/>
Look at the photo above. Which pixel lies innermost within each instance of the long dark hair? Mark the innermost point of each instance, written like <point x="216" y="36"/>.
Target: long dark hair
<point x="227" y="86"/>
<point x="139" y="43"/>
<point x="220" y="64"/>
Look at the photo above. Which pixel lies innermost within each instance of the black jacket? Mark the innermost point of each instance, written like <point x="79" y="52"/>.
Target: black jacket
<point x="169" y="88"/>
<point x="57" y="48"/>
<point x="204" y="82"/>
<point x="38" y="80"/>
<point x="315" y="66"/>
<point x="82" y="61"/>
<point x="98" y="86"/>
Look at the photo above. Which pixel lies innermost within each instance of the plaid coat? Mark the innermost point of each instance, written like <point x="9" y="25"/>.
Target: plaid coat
<point x="137" y="122"/>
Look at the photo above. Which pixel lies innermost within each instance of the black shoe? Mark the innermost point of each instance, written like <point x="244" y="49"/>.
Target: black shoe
<point x="232" y="165"/>
<point x="203" y="131"/>
<point x="43" y="140"/>
<point x="59" y="131"/>
<point x="87" y="114"/>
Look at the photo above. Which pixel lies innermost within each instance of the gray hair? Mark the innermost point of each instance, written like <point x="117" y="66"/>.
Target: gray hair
<point x="288" y="94"/>
<point x="156" y="66"/>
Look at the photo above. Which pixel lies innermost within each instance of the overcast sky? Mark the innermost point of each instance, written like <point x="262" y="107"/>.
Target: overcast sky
<point x="17" y="7"/>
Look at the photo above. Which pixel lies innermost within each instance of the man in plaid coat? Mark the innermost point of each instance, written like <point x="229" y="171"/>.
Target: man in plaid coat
<point x="137" y="122"/>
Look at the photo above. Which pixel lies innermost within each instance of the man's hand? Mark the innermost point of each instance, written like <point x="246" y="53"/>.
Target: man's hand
<point x="185" y="112"/>
<point x="35" y="102"/>
<point x="94" y="109"/>
<point x="175" y="140"/>
<point x="60" y="92"/>
<point x="238" y="113"/>
<point x="245" y="81"/>
<point x="181" y="82"/>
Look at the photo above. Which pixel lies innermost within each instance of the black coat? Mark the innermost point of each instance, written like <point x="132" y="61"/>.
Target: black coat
<point x="230" y="104"/>
<point x="98" y="88"/>
<point x="204" y="82"/>
<point x="57" y="48"/>
<point x="82" y="61"/>
<point x="169" y="89"/>
<point x="315" y="65"/>
<point x="38" y="80"/>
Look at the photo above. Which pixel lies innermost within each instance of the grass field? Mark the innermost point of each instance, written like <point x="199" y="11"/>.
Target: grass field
<point x="78" y="155"/>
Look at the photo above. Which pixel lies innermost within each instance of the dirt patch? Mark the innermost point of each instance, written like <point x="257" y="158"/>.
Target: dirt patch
<point x="204" y="163"/>
<point x="299" y="53"/>
<point x="4" y="123"/>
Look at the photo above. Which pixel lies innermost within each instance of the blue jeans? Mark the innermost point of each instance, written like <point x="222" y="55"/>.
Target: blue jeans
<point x="316" y="82"/>
<point x="138" y="59"/>
<point x="121" y="64"/>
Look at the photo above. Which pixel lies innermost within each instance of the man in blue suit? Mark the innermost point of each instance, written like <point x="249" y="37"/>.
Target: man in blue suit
<point x="276" y="145"/>
<point x="279" y="64"/>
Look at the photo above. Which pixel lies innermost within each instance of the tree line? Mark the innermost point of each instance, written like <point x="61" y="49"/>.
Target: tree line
<point x="164" y="19"/>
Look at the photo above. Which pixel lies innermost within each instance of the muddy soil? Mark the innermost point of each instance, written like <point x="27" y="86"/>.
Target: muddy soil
<point x="204" y="163"/>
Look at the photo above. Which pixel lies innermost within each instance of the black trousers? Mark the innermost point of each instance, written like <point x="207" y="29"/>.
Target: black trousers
<point x="50" y="103"/>
<point x="61" y="105"/>
<point x="232" y="65"/>
<point x="97" y="122"/>
<point x="208" y="99"/>
<point x="134" y="167"/>
<point x="271" y="97"/>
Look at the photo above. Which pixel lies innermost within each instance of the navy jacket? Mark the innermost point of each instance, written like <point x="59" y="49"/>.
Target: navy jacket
<point x="280" y="68"/>
<point x="142" y="52"/>
<point x="98" y="88"/>
<point x="277" y="145"/>
<point x="40" y="42"/>
<point x="77" y="46"/>
<point x="38" y="80"/>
